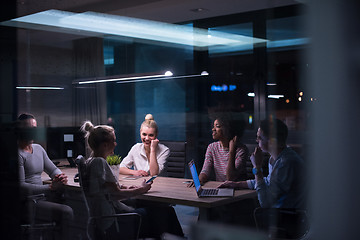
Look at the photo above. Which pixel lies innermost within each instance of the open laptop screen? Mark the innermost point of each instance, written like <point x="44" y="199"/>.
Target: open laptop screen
<point x="194" y="175"/>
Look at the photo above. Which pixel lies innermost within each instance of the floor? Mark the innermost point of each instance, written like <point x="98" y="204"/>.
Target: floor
<point x="188" y="216"/>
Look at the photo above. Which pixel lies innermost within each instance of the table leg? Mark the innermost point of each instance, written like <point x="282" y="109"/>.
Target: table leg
<point x="204" y="214"/>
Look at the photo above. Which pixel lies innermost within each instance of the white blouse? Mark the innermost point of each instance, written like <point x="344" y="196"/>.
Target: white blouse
<point x="137" y="159"/>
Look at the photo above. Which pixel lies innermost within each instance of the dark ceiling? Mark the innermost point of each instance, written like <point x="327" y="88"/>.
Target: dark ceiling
<point x="171" y="11"/>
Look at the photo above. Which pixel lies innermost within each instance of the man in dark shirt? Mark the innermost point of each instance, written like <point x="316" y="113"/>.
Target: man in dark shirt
<point x="284" y="187"/>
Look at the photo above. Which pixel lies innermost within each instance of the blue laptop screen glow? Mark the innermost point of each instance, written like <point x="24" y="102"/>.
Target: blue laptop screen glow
<point x="195" y="176"/>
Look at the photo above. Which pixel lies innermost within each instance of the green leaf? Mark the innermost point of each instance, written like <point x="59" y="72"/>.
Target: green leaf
<point x="114" y="160"/>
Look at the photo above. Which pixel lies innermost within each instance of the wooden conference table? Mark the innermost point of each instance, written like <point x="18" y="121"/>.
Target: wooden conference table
<point x="173" y="191"/>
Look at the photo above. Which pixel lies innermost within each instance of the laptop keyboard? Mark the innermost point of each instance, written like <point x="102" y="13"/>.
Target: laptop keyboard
<point x="207" y="192"/>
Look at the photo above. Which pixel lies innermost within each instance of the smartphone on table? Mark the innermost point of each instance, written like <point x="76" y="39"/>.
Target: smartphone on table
<point x="151" y="179"/>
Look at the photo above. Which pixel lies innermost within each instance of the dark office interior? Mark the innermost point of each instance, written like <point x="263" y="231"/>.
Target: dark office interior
<point x="306" y="73"/>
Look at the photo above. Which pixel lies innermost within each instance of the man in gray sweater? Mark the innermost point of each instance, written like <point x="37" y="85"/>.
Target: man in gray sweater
<point x="33" y="160"/>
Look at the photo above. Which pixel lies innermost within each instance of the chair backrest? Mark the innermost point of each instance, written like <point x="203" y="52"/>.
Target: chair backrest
<point x="127" y="227"/>
<point x="128" y="224"/>
<point x="82" y="181"/>
<point x="31" y="227"/>
<point x="177" y="160"/>
<point x="82" y="174"/>
<point x="282" y="223"/>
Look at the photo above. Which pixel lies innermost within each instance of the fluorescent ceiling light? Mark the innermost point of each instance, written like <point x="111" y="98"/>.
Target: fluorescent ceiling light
<point x="123" y="78"/>
<point x="164" y="78"/>
<point x="288" y="42"/>
<point x="98" y="23"/>
<point x="136" y="78"/>
<point x="40" y="88"/>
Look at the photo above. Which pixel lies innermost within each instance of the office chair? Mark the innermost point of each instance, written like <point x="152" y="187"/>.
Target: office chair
<point x="282" y="224"/>
<point x="176" y="162"/>
<point x="32" y="229"/>
<point x="127" y="224"/>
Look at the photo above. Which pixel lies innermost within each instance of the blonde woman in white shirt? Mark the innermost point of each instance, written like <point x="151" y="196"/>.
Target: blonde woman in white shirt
<point x="148" y="157"/>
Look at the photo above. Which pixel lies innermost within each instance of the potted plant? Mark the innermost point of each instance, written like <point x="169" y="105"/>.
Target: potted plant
<point x="114" y="163"/>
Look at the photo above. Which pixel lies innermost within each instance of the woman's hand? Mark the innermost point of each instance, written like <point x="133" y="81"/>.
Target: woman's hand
<point x="203" y="178"/>
<point x="232" y="144"/>
<point x="234" y="185"/>
<point x="123" y="192"/>
<point x="257" y="158"/>
<point x="153" y="163"/>
<point x="145" y="187"/>
<point x="228" y="184"/>
<point x="140" y="173"/>
<point x="154" y="144"/>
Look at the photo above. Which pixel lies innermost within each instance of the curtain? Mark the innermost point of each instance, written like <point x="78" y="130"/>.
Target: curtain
<point x="89" y="100"/>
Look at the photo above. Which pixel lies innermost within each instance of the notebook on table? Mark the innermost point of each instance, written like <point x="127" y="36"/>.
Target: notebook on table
<point x="208" y="192"/>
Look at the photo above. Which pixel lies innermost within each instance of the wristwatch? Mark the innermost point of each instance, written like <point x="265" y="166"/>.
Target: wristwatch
<point x="255" y="171"/>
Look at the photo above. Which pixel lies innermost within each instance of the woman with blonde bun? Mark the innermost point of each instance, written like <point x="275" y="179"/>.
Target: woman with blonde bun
<point x="102" y="141"/>
<point x="148" y="157"/>
<point x="106" y="190"/>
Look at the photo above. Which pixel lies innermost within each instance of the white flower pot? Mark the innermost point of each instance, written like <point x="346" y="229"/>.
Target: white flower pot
<point x="116" y="171"/>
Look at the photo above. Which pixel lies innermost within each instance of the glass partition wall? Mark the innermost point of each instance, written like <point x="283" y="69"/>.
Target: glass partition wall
<point x="254" y="80"/>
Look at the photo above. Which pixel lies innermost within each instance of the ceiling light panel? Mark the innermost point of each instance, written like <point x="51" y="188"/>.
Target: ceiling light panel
<point x="106" y="24"/>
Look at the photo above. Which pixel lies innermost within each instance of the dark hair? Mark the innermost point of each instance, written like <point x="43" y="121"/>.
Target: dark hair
<point x="25" y="116"/>
<point x="233" y="124"/>
<point x="274" y="128"/>
<point x="25" y="132"/>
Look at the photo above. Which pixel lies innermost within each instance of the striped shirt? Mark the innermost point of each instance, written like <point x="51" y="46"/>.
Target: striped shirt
<point x="217" y="157"/>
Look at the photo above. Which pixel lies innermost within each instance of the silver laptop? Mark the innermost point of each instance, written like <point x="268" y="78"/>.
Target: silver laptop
<point x="208" y="192"/>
